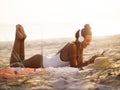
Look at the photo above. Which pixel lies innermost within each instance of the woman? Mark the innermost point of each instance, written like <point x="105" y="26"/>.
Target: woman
<point x="71" y="54"/>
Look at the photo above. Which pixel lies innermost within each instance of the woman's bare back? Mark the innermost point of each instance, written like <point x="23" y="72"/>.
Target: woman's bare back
<point x="65" y="51"/>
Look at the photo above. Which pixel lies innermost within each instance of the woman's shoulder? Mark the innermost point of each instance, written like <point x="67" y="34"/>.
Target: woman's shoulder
<point x="67" y="47"/>
<point x="70" y="44"/>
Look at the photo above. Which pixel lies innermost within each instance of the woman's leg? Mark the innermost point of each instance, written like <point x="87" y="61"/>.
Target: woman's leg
<point x="34" y="62"/>
<point x="17" y="54"/>
<point x="22" y="51"/>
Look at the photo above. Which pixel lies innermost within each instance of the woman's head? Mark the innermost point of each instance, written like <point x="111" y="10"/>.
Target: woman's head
<point x="86" y="34"/>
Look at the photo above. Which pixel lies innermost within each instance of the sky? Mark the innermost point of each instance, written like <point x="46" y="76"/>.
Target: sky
<point x="59" y="18"/>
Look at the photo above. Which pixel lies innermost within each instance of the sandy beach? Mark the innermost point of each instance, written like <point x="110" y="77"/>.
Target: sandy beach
<point x="103" y="75"/>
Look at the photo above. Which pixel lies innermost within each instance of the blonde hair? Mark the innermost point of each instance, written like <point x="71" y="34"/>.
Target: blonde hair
<point x="85" y="31"/>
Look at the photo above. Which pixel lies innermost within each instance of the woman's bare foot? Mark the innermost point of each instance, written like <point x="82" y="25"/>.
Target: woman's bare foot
<point x="20" y="32"/>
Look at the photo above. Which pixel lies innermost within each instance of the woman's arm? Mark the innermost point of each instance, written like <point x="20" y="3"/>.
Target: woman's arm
<point x="92" y="59"/>
<point x="75" y="59"/>
<point x="72" y="55"/>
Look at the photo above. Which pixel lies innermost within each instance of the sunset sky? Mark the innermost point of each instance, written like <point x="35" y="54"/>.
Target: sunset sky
<point x="60" y="18"/>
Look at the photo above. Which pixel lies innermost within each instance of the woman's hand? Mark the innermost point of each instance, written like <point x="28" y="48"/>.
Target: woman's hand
<point x="92" y="59"/>
<point x="95" y="56"/>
